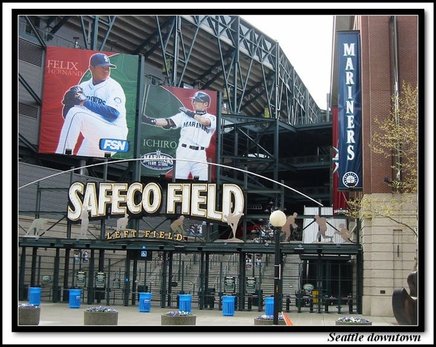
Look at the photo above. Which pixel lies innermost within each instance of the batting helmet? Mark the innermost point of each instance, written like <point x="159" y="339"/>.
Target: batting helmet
<point x="201" y="97"/>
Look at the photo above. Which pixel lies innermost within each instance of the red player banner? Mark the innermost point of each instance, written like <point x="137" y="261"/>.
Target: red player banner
<point x="96" y="119"/>
<point x="178" y="126"/>
<point x="339" y="198"/>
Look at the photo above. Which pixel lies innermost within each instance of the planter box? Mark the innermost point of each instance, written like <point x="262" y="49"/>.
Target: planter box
<point x="353" y="321"/>
<point x="29" y="315"/>
<point x="178" y="320"/>
<point x="258" y="321"/>
<point x="100" y="318"/>
<point x="343" y="323"/>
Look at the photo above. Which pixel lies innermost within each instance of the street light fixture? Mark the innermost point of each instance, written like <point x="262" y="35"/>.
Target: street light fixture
<point x="277" y="220"/>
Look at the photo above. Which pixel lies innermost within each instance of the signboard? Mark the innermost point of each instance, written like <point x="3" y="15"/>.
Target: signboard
<point x="81" y="279"/>
<point x="103" y="121"/>
<point x="102" y="199"/>
<point x="46" y="279"/>
<point x="229" y="284"/>
<point x="179" y="141"/>
<point x="100" y="280"/>
<point x="145" y="255"/>
<point x="116" y="283"/>
<point x="139" y="254"/>
<point x="251" y="285"/>
<point x="308" y="287"/>
<point x="77" y="257"/>
<point x="350" y="111"/>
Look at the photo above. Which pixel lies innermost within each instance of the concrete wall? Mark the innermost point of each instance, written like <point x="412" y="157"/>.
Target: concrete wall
<point x="389" y="249"/>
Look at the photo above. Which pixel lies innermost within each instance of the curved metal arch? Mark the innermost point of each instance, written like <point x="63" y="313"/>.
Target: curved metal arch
<point x="187" y="160"/>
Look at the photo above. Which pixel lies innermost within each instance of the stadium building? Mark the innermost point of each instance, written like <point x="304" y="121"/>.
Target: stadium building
<point x="143" y="230"/>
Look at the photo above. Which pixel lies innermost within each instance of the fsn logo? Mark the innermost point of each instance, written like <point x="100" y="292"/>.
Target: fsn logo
<point x="114" y="145"/>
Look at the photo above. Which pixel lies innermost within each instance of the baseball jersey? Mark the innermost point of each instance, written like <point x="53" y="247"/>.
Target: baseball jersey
<point x="193" y="132"/>
<point x="109" y="93"/>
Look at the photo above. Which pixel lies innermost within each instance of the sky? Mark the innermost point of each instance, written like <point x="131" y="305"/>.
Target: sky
<point x="307" y="42"/>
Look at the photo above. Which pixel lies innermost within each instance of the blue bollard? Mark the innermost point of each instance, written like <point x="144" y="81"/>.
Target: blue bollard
<point x="228" y="305"/>
<point x="75" y="298"/>
<point x="269" y="306"/>
<point x="144" y="302"/>
<point x="185" y="301"/>
<point x="34" y="296"/>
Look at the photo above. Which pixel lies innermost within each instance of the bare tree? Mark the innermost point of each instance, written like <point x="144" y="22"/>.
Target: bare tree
<point x="397" y="138"/>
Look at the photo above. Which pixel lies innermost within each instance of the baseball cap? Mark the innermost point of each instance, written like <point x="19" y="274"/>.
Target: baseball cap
<point x="100" y="59"/>
<point x="201" y="97"/>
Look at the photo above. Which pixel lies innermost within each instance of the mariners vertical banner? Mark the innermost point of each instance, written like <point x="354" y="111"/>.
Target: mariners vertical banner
<point x="350" y="111"/>
<point x="104" y="123"/>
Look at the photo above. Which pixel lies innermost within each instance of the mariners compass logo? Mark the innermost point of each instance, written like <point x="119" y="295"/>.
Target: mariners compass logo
<point x="157" y="161"/>
<point x="350" y="179"/>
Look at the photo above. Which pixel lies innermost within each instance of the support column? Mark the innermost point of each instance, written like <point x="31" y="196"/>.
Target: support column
<point x="91" y="290"/>
<point x="126" y="280"/>
<point x="163" y="285"/>
<point x="65" y="292"/>
<point x="206" y="280"/>
<point x="134" y="281"/>
<point x="56" y="289"/>
<point x="170" y="277"/>
<point x="201" y="285"/>
<point x="33" y="266"/>
<point x="21" y="275"/>
<point x="241" y="292"/>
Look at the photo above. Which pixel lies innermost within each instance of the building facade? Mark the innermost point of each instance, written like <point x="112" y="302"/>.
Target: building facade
<point x="389" y="236"/>
<point x="286" y="138"/>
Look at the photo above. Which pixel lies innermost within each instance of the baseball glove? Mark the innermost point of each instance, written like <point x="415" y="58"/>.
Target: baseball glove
<point x="74" y="96"/>
<point x="187" y="112"/>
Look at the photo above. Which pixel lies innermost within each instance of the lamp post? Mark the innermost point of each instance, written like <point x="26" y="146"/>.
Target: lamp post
<point x="277" y="220"/>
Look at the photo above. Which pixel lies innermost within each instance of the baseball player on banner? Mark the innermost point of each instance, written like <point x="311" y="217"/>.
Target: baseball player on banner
<point x="196" y="130"/>
<point x="96" y="109"/>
